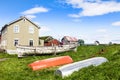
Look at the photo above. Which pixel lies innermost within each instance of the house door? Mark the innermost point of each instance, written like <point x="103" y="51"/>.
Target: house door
<point x="31" y="43"/>
<point x="15" y="42"/>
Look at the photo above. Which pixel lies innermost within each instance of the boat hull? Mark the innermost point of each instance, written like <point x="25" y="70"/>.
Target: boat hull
<point x="50" y="62"/>
<point x="68" y="69"/>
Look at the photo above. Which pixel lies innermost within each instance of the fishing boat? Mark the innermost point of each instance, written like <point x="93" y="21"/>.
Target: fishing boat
<point x="27" y="50"/>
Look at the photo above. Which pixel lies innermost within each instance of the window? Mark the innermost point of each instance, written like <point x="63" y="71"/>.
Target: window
<point x="15" y="42"/>
<point x="16" y="29"/>
<point x="31" y="29"/>
<point x="31" y="43"/>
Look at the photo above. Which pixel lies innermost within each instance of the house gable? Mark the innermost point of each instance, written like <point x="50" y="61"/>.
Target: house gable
<point x="21" y="18"/>
<point x="21" y="32"/>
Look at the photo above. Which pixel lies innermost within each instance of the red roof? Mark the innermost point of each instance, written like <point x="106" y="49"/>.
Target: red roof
<point x="71" y="38"/>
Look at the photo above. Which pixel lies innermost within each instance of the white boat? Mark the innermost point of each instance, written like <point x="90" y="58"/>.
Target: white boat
<point x="68" y="69"/>
<point x="27" y="50"/>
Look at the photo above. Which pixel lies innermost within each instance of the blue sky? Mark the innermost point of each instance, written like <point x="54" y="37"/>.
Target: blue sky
<point x="89" y="20"/>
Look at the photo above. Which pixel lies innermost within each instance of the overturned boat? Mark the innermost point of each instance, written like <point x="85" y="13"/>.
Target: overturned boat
<point x="50" y="62"/>
<point x="68" y="69"/>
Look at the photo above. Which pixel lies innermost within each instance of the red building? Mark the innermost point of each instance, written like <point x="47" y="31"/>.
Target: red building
<point x="49" y="41"/>
<point x="52" y="42"/>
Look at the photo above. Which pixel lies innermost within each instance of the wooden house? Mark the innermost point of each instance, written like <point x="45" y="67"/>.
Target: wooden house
<point x="69" y="40"/>
<point x="19" y="32"/>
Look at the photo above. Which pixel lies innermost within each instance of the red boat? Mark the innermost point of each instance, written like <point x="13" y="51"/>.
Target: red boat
<point x="50" y="62"/>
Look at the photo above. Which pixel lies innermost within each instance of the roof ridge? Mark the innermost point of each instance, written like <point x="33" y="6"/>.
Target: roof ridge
<point x="20" y="18"/>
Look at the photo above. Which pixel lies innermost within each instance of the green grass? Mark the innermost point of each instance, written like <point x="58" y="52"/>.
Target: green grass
<point x="17" y="69"/>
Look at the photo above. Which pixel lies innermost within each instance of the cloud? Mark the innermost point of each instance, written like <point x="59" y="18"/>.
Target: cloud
<point x="35" y="10"/>
<point x="76" y="20"/>
<point x="30" y="16"/>
<point x="30" y="13"/>
<point x="74" y="15"/>
<point x="101" y="30"/>
<point x="116" y="41"/>
<point x="45" y="29"/>
<point x="93" y="7"/>
<point x="116" y="23"/>
<point x="37" y="23"/>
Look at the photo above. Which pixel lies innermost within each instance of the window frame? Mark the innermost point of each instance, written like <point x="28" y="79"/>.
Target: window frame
<point x="31" y="29"/>
<point x="16" y="29"/>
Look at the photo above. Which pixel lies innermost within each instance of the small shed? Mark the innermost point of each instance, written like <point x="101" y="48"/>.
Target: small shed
<point x="49" y="41"/>
<point x="69" y="40"/>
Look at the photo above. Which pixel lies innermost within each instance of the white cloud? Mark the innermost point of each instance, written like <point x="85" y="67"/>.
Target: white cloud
<point x="74" y="15"/>
<point x="101" y="30"/>
<point x="35" y="10"/>
<point x="94" y="7"/>
<point x="76" y="20"/>
<point x="30" y="13"/>
<point x="30" y="16"/>
<point x="44" y="29"/>
<point x="37" y="23"/>
<point x="116" y="23"/>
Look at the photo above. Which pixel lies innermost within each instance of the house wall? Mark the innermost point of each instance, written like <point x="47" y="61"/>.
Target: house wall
<point x="65" y="41"/>
<point x="23" y="36"/>
<point x="41" y="42"/>
<point x="4" y="38"/>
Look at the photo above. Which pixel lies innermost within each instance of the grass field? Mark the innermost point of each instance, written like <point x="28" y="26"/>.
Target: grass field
<point x="17" y="69"/>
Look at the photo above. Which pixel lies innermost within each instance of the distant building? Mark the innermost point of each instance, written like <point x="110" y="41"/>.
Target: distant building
<point x="97" y="43"/>
<point x="49" y="41"/>
<point x="68" y="40"/>
<point x="19" y="32"/>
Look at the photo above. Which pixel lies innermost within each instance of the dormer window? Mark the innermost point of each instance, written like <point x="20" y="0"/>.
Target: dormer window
<point x="31" y="29"/>
<point x="16" y="29"/>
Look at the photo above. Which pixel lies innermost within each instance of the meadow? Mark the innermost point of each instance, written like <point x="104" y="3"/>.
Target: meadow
<point x="14" y="68"/>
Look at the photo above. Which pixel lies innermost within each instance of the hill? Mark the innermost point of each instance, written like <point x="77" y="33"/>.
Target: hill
<point x="17" y="69"/>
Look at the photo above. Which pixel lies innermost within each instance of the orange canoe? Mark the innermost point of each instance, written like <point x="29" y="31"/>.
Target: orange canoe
<point x="41" y="64"/>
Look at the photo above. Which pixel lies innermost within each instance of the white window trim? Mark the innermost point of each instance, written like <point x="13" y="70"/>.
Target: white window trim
<point x="14" y="29"/>
<point x="31" y="31"/>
